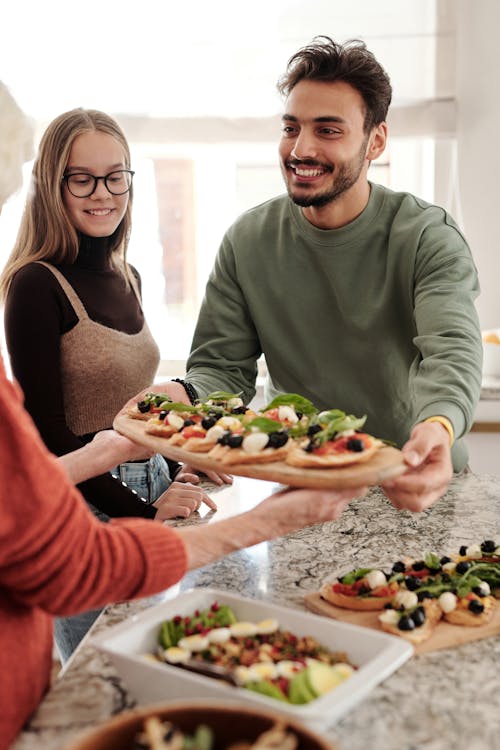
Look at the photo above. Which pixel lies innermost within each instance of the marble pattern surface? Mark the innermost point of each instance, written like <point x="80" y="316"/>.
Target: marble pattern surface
<point x="438" y="701"/>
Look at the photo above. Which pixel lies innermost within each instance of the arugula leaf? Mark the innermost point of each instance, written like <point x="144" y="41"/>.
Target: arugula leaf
<point x="299" y="403"/>
<point x="354" y="575"/>
<point x="465" y="586"/>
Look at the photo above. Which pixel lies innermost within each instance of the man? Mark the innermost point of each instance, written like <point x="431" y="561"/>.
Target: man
<point x="360" y="298"/>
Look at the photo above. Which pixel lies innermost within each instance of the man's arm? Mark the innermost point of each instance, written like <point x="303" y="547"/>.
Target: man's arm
<point x="448" y="382"/>
<point x="225" y="346"/>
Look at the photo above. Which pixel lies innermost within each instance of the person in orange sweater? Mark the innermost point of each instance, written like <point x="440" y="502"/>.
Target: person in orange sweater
<point x="56" y="558"/>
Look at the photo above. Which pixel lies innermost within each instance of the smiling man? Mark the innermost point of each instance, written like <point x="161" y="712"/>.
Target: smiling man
<point x="359" y="297"/>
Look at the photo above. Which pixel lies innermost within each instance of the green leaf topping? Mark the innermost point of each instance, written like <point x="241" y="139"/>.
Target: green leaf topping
<point x="222" y="396"/>
<point x="355" y="575"/>
<point x="178" y="406"/>
<point x="299" y="403"/>
<point x="263" y="424"/>
<point x="339" y="424"/>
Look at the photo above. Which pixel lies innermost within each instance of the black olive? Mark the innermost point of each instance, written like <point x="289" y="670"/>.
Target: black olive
<point x="143" y="406"/>
<point x="418" y="565"/>
<point x="208" y="422"/>
<point x="412" y="583"/>
<point x="445" y="560"/>
<point x="238" y="409"/>
<point x="445" y="577"/>
<point x="223" y="440"/>
<point x="476" y="607"/>
<point x="462" y="567"/>
<point x="188" y="422"/>
<point x="421" y="595"/>
<point x="463" y="550"/>
<point x="406" y="623"/>
<point x="277" y="439"/>
<point x="355" y="444"/>
<point x="418" y="616"/>
<point x="313" y="429"/>
<point x="399" y="567"/>
<point x="479" y="591"/>
<point x="299" y="414"/>
<point x="488" y="546"/>
<point x="234" y="441"/>
<point x="388" y="605"/>
<point x="163" y="414"/>
<point x="310" y="446"/>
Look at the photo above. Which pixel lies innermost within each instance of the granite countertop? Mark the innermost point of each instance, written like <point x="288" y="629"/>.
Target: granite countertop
<point x="443" y="700"/>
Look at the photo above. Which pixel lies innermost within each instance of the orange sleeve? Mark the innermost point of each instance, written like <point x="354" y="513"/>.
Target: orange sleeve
<point x="54" y="554"/>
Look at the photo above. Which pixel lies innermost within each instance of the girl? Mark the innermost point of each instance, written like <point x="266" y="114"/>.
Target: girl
<point x="78" y="341"/>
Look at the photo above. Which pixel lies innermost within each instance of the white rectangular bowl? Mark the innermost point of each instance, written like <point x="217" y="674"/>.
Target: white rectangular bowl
<point x="375" y="654"/>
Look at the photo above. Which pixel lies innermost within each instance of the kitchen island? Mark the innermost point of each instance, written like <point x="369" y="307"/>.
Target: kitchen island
<point x="444" y="700"/>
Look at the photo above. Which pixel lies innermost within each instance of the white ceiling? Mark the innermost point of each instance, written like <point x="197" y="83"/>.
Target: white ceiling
<point x="220" y="59"/>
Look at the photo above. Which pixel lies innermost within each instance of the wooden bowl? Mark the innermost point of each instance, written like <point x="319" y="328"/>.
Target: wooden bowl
<point x="229" y="722"/>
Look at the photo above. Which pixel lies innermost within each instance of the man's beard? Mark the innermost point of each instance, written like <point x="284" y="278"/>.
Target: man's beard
<point x="346" y="176"/>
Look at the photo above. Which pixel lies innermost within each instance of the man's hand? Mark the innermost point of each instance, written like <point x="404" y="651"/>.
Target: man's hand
<point x="180" y="500"/>
<point x="428" y="455"/>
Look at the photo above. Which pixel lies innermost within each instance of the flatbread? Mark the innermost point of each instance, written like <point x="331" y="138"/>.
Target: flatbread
<point x="299" y="457"/>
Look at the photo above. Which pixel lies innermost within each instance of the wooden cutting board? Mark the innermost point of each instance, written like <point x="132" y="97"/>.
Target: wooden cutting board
<point x="387" y="463"/>
<point x="444" y="636"/>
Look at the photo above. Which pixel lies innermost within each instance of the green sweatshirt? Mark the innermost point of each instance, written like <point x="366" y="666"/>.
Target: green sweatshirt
<point x="374" y="318"/>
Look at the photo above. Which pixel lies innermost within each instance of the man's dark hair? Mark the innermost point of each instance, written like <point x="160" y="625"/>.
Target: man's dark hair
<point x="327" y="61"/>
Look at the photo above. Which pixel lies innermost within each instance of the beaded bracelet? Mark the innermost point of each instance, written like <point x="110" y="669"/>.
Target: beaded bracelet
<point x="189" y="388"/>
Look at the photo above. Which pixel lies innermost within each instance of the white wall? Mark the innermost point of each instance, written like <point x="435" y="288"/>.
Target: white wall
<point x="478" y="131"/>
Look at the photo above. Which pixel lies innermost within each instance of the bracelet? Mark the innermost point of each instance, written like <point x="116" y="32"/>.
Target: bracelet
<point x="446" y="424"/>
<point x="191" y="391"/>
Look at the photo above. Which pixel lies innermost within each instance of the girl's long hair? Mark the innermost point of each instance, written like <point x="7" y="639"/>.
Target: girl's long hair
<point x="46" y="231"/>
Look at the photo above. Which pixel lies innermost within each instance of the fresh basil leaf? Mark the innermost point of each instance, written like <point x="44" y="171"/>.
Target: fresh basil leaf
<point x="432" y="561"/>
<point x="348" y="422"/>
<point x="299" y="403"/>
<point x="263" y="424"/>
<point x="178" y="406"/>
<point x="222" y="396"/>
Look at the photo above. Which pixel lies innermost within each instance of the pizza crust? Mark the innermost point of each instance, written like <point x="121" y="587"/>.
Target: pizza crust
<point x="237" y="456"/>
<point x="134" y="413"/>
<point x="359" y="603"/>
<point x="155" y="427"/>
<point x="433" y="614"/>
<point x="463" y="616"/>
<point x="297" y="456"/>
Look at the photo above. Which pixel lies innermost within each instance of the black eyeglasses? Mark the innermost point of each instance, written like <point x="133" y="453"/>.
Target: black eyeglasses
<point x="83" y="184"/>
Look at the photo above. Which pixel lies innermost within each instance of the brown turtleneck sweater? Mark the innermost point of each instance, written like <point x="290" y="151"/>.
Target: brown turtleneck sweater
<point x="39" y="317"/>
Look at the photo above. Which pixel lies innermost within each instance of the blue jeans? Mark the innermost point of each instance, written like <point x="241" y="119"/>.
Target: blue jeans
<point x="149" y="479"/>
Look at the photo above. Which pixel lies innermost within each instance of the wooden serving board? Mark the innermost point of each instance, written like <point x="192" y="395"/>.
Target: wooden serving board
<point x="387" y="463"/>
<point x="444" y="636"/>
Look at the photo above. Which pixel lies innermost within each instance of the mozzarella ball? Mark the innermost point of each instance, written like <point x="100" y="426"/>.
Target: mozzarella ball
<point x="406" y="599"/>
<point x="447" y="601"/>
<point x="255" y="442"/>
<point x="375" y="578"/>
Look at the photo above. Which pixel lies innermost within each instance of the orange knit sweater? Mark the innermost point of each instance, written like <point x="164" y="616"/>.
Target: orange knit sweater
<point x="57" y="559"/>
